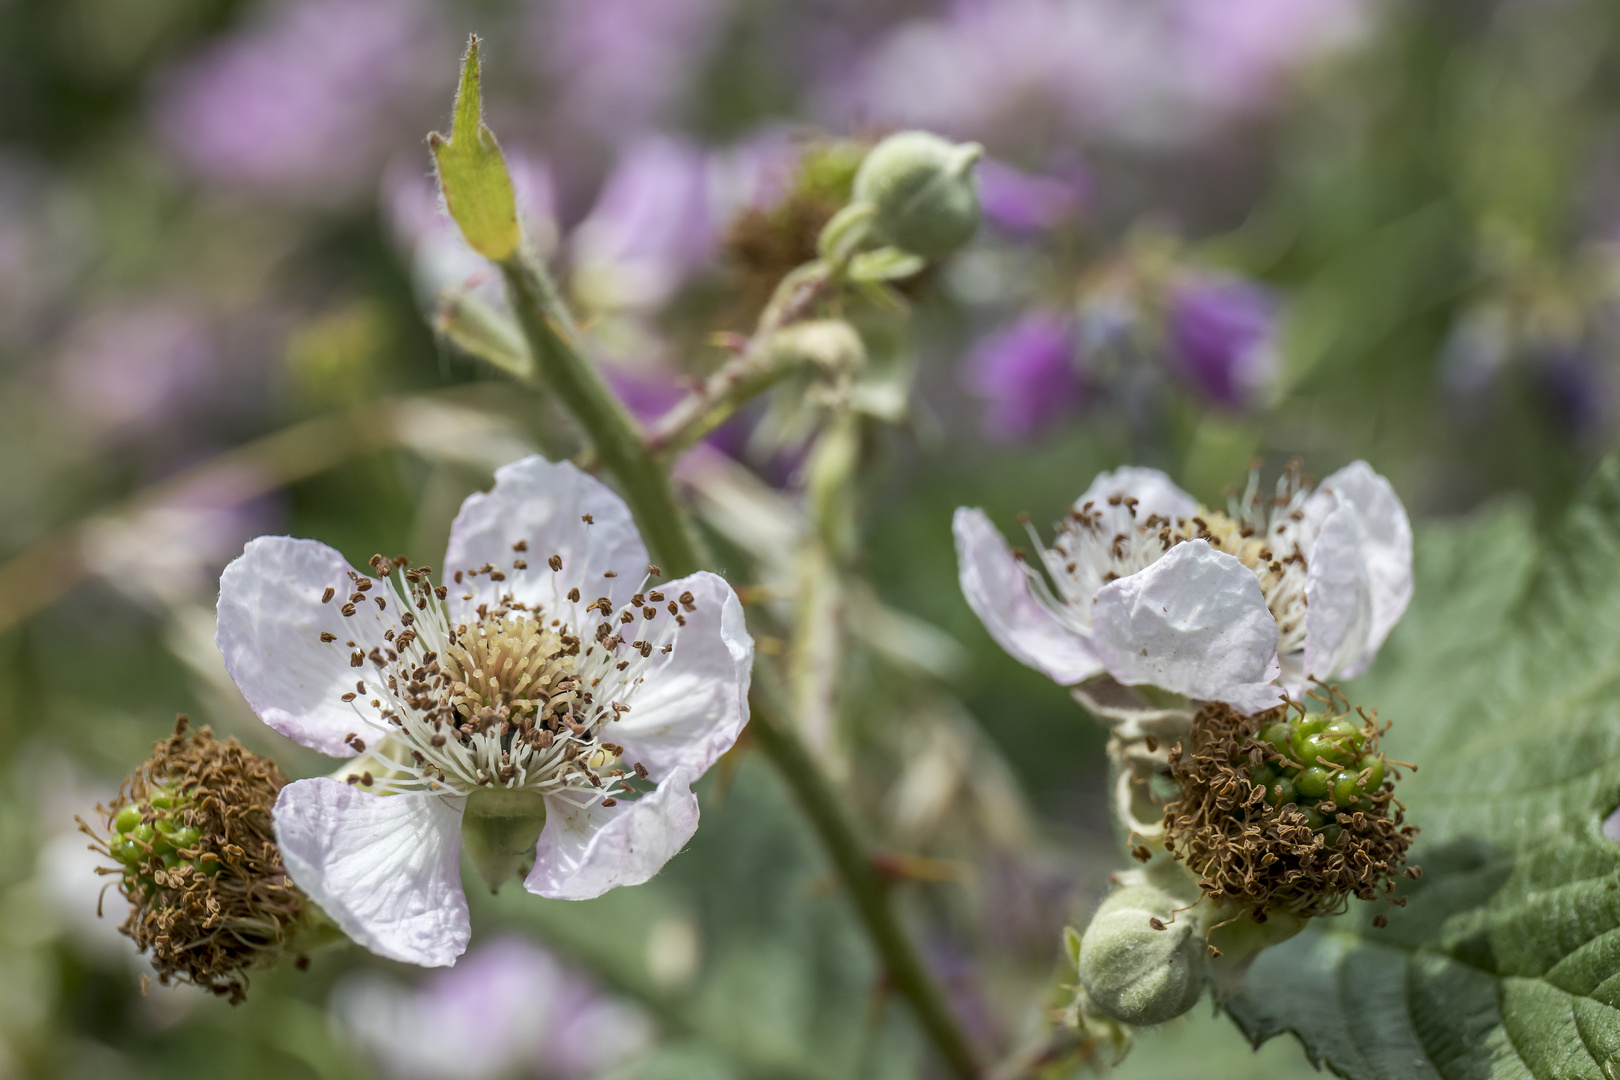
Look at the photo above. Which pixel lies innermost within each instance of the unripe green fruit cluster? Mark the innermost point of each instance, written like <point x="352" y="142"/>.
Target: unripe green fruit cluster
<point x="1322" y="763"/>
<point x="156" y="829"/>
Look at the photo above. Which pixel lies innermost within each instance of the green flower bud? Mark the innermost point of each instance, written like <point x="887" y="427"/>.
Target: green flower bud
<point x="1281" y="792"/>
<point x="923" y="192"/>
<point x="1313" y="781"/>
<point x="1142" y="962"/>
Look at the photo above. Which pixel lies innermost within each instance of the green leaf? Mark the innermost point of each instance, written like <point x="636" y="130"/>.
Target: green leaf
<point x="1504" y="685"/>
<point x="472" y="174"/>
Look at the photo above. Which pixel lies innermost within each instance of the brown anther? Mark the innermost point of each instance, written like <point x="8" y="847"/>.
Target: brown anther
<point x="326" y="597"/>
<point x="555" y="562"/>
<point x="521" y="545"/>
<point x="328" y="637"/>
<point x="654" y="571"/>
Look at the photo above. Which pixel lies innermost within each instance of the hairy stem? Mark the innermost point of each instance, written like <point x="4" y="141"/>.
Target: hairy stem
<point x="852" y="860"/>
<point x="755" y="369"/>
<point x="647" y="489"/>
<point x="580" y="387"/>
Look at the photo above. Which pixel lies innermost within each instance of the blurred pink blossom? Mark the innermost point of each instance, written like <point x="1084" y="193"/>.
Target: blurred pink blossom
<point x="306" y="100"/>
<point x="509" y="1008"/>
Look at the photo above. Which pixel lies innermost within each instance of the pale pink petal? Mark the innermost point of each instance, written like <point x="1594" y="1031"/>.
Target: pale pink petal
<point x="693" y="702"/>
<point x="584" y="852"/>
<point x="1195" y="623"/>
<point x="1386" y="548"/>
<point x="386" y="868"/>
<point x="998" y="592"/>
<point x="271" y="618"/>
<point x="543" y="504"/>
<point x="1338" y="599"/>
<point x="1154" y="492"/>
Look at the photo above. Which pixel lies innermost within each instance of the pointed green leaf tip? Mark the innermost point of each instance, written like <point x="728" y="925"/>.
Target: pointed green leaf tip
<point x="472" y="174"/>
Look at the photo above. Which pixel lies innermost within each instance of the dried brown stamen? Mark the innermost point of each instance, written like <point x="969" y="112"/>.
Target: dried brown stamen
<point x="1269" y="858"/>
<point x="198" y="862"/>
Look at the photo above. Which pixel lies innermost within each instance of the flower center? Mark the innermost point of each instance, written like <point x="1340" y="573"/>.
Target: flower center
<point x="510" y="670"/>
<point x="518" y="698"/>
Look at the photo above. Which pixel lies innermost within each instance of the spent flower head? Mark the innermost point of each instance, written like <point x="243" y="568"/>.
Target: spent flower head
<point x="1289" y="811"/>
<point x="191" y="833"/>
<point x="547" y="705"/>
<point x="1144" y="585"/>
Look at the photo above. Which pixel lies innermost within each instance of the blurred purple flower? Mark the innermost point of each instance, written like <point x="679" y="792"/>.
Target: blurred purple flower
<point x="1021" y="202"/>
<point x="1572" y="389"/>
<point x="508" y="1008"/>
<point x="620" y="65"/>
<point x="135" y="367"/>
<point x="1028" y="375"/>
<point x="300" y="103"/>
<point x="1140" y="70"/>
<point x="1234" y="51"/>
<point x="1223" y="339"/>
<point x="662" y="212"/>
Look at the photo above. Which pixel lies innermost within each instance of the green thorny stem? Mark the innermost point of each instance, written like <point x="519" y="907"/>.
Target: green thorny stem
<point x="647" y="489"/>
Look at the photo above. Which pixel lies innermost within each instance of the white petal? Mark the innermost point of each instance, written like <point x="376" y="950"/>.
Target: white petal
<point x="387" y="869"/>
<point x="693" y="702"/>
<point x="1386" y="549"/>
<point x="543" y="504"/>
<point x="1195" y="623"/>
<point x="998" y="592"/>
<point x="585" y="852"/>
<point x="1338" y="599"/>
<point x="1154" y="491"/>
<point x="270" y="623"/>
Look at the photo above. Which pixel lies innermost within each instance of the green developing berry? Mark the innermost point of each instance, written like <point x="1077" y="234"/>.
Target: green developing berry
<point x="1277" y="735"/>
<point x="1346" y="788"/>
<point x="170" y="860"/>
<point x="1373" y="765"/>
<point x="1313" y="781"/>
<point x="162" y="799"/>
<point x="1331" y="834"/>
<point x="143" y="833"/>
<point x="1348" y="736"/>
<point x="207" y="864"/>
<point x="1263" y="775"/>
<point x="1313" y="817"/>
<point x="128" y="818"/>
<point x="126" y="851"/>
<point x="185" y="838"/>
<point x="1309" y="725"/>
<point x="1281" y="793"/>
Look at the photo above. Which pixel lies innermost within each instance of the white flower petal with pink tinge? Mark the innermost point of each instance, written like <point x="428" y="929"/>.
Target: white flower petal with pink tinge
<point x="387" y="869"/>
<point x="585" y="851"/>
<point x="1195" y="623"/>
<point x="1383" y="557"/>
<point x="543" y="505"/>
<point x="997" y="589"/>
<point x="270" y="623"/>
<point x="693" y="702"/>
<point x="1154" y="492"/>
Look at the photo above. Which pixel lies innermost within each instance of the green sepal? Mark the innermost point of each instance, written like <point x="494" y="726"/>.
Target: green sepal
<point x="499" y="831"/>
<point x="472" y="173"/>
<point x="885" y="264"/>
